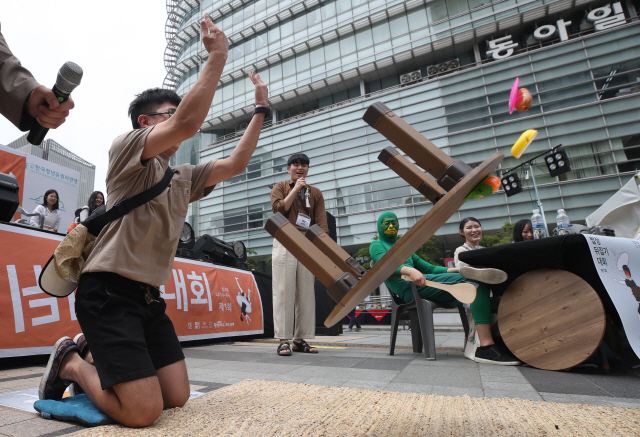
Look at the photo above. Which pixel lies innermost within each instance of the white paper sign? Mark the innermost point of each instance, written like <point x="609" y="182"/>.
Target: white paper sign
<point x="617" y="261"/>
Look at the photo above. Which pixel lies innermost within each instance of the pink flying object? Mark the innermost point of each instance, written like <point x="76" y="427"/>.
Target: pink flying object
<point x="513" y="96"/>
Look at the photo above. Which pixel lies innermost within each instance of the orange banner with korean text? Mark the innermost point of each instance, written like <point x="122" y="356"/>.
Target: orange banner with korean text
<point x="203" y="300"/>
<point x="207" y="301"/>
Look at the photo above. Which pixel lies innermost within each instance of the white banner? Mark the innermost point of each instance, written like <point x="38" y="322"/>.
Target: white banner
<point x="618" y="263"/>
<point x="41" y="175"/>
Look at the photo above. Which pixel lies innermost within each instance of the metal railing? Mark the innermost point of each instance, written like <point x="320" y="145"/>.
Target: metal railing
<point x="375" y="303"/>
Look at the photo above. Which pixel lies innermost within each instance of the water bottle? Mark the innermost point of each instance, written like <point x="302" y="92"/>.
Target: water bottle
<point x="562" y="221"/>
<point x="537" y="224"/>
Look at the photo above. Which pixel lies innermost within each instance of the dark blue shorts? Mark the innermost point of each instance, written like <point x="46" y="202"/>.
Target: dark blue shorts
<point x="127" y="330"/>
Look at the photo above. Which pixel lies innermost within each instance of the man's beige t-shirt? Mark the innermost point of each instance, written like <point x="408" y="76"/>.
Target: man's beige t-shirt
<point x="141" y="245"/>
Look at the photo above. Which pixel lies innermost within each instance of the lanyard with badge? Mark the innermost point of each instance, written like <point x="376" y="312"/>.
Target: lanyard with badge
<point x="303" y="219"/>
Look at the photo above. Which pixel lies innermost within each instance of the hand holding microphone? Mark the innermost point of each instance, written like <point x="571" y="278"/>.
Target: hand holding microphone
<point x="304" y="189"/>
<point x="58" y="101"/>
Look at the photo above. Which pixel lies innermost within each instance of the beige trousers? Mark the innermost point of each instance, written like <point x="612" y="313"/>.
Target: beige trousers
<point x="294" y="298"/>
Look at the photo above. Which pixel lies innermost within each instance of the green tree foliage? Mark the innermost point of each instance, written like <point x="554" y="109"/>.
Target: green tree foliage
<point x="504" y="235"/>
<point x="430" y="246"/>
<point x="364" y="253"/>
<point x="251" y="261"/>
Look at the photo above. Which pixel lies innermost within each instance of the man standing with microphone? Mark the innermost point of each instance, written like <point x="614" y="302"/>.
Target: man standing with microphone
<point x="294" y="299"/>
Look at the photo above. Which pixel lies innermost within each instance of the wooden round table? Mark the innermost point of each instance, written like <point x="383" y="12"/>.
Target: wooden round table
<point x="551" y="319"/>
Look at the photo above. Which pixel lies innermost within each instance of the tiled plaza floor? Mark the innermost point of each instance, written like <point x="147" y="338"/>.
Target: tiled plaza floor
<point x="356" y="359"/>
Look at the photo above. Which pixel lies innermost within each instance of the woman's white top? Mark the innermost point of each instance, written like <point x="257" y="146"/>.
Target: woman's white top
<point x="51" y="219"/>
<point x="464" y="248"/>
<point x="84" y="214"/>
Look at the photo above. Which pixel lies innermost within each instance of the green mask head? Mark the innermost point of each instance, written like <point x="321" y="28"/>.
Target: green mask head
<point x="388" y="227"/>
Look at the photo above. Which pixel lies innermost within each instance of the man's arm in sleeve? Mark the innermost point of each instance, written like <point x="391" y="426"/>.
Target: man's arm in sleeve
<point x="376" y="251"/>
<point x="16" y="83"/>
<point x="23" y="100"/>
<point x="427" y="268"/>
<point x="193" y="109"/>
<point x="277" y="199"/>
<point x="236" y="163"/>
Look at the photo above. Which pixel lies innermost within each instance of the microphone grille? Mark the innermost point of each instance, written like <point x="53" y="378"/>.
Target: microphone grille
<point x="69" y="77"/>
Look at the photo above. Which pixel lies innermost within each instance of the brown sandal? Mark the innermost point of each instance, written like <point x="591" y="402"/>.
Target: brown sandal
<point x="304" y="347"/>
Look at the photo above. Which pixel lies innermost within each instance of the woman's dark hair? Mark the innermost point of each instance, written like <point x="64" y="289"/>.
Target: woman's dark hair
<point x="467" y="220"/>
<point x="298" y="158"/>
<point x="44" y="201"/>
<point x="148" y="101"/>
<point x="518" y="228"/>
<point x="92" y="200"/>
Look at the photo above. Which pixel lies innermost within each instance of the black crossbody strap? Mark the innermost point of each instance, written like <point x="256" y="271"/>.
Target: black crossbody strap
<point x="127" y="205"/>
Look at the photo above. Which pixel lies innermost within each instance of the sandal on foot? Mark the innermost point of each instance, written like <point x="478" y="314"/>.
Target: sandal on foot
<point x="303" y="346"/>
<point x="284" y="346"/>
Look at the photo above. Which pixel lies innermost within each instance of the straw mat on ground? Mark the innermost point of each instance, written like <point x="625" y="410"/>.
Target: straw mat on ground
<point x="273" y="408"/>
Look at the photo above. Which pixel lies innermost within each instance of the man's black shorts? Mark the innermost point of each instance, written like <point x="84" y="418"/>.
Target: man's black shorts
<point x="127" y="330"/>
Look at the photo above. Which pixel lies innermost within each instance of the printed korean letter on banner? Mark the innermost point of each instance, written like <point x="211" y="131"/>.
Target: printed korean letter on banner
<point x="30" y="320"/>
<point x="209" y="301"/>
<point x="203" y="300"/>
<point x="617" y="261"/>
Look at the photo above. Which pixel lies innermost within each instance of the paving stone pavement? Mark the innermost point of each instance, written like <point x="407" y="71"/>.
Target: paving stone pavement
<point x="360" y="360"/>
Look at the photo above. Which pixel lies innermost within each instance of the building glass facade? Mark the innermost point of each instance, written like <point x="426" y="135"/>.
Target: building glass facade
<point x="326" y="62"/>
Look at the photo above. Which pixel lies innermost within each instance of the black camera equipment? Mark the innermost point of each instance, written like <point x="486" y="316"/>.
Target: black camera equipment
<point x="9" y="199"/>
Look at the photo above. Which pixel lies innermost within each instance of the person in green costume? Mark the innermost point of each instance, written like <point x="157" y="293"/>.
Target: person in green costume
<point x="419" y="270"/>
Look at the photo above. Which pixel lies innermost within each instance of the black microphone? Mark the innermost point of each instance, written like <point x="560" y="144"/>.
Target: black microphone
<point x="68" y="79"/>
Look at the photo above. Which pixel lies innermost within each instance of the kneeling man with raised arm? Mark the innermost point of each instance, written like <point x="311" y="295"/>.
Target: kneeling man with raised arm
<point x="139" y="367"/>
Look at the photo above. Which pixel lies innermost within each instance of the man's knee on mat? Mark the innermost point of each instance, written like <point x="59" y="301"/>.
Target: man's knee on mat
<point x="176" y="399"/>
<point x="142" y="414"/>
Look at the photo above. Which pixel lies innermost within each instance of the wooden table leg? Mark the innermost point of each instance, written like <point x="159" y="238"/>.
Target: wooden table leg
<point x="551" y="319"/>
<point x="338" y="282"/>
<point x="446" y="170"/>
<point x="337" y="254"/>
<point x="412" y="174"/>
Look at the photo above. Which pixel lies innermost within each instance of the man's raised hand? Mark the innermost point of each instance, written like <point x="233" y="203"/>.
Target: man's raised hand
<point x="262" y="93"/>
<point x="214" y="39"/>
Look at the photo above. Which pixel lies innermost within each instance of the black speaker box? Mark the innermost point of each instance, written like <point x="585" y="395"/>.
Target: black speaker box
<point x="331" y="223"/>
<point x="324" y="306"/>
<point x="214" y="250"/>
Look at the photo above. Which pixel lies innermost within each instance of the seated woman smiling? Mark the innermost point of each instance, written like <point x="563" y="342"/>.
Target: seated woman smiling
<point x="419" y="271"/>
<point x="471" y="231"/>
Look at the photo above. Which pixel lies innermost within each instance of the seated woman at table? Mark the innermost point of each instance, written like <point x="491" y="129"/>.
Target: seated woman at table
<point x="95" y="200"/>
<point x="50" y="210"/>
<point x="419" y="270"/>
<point x="522" y="231"/>
<point x="471" y="231"/>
